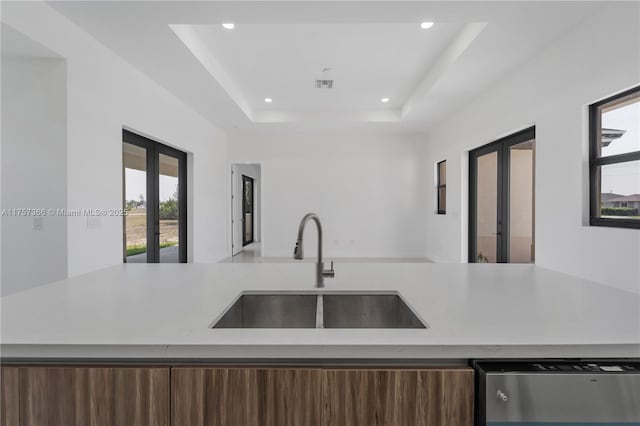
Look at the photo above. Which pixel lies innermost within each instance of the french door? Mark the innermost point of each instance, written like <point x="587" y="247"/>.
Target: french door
<point x="247" y="210"/>
<point x="155" y="199"/>
<point x="502" y="200"/>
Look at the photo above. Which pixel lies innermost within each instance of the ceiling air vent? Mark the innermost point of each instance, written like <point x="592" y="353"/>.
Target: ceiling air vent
<point x="324" y="84"/>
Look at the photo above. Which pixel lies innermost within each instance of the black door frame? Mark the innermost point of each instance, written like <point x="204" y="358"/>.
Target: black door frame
<point x="501" y="146"/>
<point x="153" y="150"/>
<point x="247" y="179"/>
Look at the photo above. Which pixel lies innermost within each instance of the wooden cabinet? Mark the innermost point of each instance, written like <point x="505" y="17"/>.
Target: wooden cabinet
<point x="390" y="397"/>
<point x="235" y="396"/>
<point x="322" y="397"/>
<point x="141" y="396"/>
<point x="87" y="396"/>
<point x="246" y="397"/>
<point x="9" y="402"/>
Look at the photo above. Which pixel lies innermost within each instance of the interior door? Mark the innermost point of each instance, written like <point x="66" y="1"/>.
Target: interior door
<point x="247" y="210"/>
<point x="236" y="209"/>
<point x="502" y="200"/>
<point x="155" y="201"/>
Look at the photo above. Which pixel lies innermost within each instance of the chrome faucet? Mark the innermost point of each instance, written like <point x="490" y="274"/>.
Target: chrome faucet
<point x="298" y="251"/>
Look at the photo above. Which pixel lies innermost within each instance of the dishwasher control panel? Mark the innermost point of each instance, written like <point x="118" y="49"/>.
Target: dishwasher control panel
<point x="563" y="366"/>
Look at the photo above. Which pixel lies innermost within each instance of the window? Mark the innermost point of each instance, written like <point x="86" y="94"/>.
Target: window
<point x="614" y="164"/>
<point x="442" y="187"/>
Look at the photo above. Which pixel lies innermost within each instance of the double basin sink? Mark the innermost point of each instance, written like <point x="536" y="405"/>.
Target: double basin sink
<point x="319" y="310"/>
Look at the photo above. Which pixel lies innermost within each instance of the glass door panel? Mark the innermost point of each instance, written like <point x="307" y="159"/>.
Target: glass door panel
<point x="487" y="209"/>
<point x="502" y="200"/>
<point x="134" y="159"/>
<point x="248" y="237"/>
<point x="521" y="203"/>
<point x="154" y="197"/>
<point x="247" y="210"/>
<point x="168" y="209"/>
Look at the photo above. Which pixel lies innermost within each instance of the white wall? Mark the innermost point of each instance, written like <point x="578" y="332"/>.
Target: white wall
<point x="551" y="91"/>
<point x="34" y="174"/>
<point x="364" y="186"/>
<point x="104" y="93"/>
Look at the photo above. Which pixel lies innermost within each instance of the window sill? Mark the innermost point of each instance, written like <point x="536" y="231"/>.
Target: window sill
<point x="615" y="223"/>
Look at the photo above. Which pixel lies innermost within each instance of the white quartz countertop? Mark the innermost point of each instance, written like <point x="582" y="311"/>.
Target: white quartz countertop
<point x="473" y="311"/>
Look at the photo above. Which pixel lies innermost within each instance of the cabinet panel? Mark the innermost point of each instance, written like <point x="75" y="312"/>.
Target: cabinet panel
<point x="68" y="396"/>
<point x="141" y="396"/>
<point x="457" y="398"/>
<point x="246" y="397"/>
<point x="375" y="397"/>
<point x="65" y="396"/>
<point x="9" y="392"/>
<point x="242" y="396"/>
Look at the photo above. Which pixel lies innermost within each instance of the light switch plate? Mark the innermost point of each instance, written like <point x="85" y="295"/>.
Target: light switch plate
<point x="38" y="222"/>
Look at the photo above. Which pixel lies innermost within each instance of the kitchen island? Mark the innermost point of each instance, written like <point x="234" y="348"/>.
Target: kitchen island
<point x="157" y="311"/>
<point x="133" y="344"/>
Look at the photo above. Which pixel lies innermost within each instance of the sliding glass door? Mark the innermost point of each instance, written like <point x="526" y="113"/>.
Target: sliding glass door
<point x="502" y="200"/>
<point x="154" y="181"/>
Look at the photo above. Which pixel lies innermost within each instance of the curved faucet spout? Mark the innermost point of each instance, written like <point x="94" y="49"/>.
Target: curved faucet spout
<point x="298" y="251"/>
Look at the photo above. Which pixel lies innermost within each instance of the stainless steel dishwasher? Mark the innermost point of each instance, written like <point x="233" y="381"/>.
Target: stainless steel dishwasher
<point x="554" y="393"/>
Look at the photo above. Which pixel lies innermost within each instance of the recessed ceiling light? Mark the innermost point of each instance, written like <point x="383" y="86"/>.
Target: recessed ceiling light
<point x="426" y="25"/>
<point x="268" y="100"/>
<point x="228" y="26"/>
<point x="384" y="100"/>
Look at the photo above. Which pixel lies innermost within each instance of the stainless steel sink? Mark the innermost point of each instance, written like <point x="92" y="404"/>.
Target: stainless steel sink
<point x="271" y="311"/>
<point x="368" y="311"/>
<point x="320" y="309"/>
